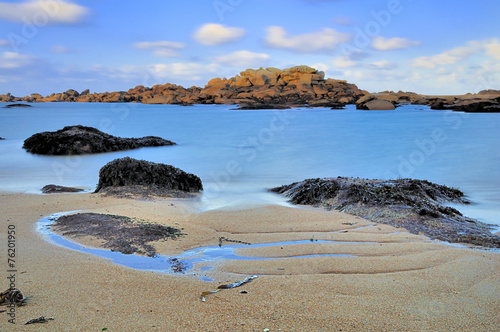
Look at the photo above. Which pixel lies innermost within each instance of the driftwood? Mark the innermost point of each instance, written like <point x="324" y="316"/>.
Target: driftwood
<point x="41" y="319"/>
<point x="227" y="286"/>
<point x="222" y="238"/>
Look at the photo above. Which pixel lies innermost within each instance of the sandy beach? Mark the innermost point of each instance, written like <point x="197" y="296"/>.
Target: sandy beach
<point x="397" y="281"/>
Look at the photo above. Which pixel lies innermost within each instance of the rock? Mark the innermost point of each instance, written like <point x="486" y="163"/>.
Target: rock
<point x="72" y="93"/>
<point x="325" y="103"/>
<point x="415" y="205"/>
<point x="242" y="82"/>
<point x="378" y="105"/>
<point x="36" y="96"/>
<point x="476" y="106"/>
<point x="17" y="105"/>
<point x="53" y="189"/>
<point x="492" y="109"/>
<point x="6" y="98"/>
<point x="132" y="172"/>
<point x="261" y="106"/>
<point x="75" y="140"/>
<point x="439" y="104"/>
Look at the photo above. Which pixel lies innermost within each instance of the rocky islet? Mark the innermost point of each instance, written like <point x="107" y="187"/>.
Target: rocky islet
<point x="78" y="140"/>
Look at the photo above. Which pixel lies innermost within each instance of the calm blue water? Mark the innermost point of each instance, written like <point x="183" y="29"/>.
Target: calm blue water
<point x="238" y="154"/>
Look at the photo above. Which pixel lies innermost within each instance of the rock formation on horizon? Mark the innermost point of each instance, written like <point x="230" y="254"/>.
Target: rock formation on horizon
<point x="275" y="88"/>
<point x="299" y="85"/>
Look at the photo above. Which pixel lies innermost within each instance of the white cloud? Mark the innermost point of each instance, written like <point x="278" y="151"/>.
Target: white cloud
<point x="351" y="59"/>
<point x="387" y="44"/>
<point x="382" y="64"/>
<point x="165" y="49"/>
<point x="344" y="62"/>
<point x="243" y="59"/>
<point x="449" y="57"/>
<point x="12" y="60"/>
<point x="493" y="49"/>
<point x="324" y="40"/>
<point x="217" y="34"/>
<point x="183" y="70"/>
<point x="4" y="42"/>
<point x="321" y="66"/>
<point x="43" y="12"/>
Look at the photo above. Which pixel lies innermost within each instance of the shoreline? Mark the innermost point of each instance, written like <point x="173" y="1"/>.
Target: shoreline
<point x="395" y="285"/>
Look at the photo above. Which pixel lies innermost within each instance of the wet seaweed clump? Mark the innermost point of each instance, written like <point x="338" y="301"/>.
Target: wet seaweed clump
<point x="416" y="205"/>
<point x="119" y="233"/>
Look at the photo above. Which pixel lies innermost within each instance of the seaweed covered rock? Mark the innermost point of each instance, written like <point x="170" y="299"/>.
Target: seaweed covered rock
<point x="132" y="172"/>
<point x="76" y="140"/>
<point x="119" y="233"/>
<point x="416" y="205"/>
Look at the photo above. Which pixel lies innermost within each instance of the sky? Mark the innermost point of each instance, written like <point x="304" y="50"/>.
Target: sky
<point x="425" y="46"/>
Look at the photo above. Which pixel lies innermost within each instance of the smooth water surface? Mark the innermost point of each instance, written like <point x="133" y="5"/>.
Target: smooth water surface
<point x="239" y="154"/>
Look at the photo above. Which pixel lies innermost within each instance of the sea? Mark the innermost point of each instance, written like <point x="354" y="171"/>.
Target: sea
<point x="240" y="154"/>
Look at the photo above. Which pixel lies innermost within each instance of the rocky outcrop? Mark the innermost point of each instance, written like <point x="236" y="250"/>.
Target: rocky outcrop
<point x="413" y="204"/>
<point x="264" y="87"/>
<point x="487" y="101"/>
<point x="55" y="189"/>
<point x="299" y="85"/>
<point x="476" y="106"/>
<point x="132" y="172"/>
<point x="75" y="140"/>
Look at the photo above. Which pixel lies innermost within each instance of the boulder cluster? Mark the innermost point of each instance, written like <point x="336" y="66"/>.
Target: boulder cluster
<point x="486" y="101"/>
<point x="299" y="85"/>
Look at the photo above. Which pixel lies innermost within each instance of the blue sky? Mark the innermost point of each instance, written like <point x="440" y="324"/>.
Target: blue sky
<point x="426" y="46"/>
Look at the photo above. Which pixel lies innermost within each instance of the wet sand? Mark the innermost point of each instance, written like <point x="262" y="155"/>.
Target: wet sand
<point x="398" y="281"/>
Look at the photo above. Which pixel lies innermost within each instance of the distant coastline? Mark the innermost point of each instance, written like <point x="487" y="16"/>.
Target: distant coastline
<point x="274" y="88"/>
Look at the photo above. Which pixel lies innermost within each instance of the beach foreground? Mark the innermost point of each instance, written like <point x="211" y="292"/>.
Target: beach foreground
<point x="397" y="281"/>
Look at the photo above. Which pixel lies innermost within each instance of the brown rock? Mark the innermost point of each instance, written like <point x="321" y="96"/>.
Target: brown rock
<point x="320" y="90"/>
<point x="379" y="105"/>
<point x="242" y="82"/>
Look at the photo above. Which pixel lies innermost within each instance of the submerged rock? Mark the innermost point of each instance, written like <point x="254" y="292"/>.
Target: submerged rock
<point x="75" y="140"/>
<point x="261" y="106"/>
<point x="132" y="172"/>
<point x="413" y="204"/>
<point x="17" y="105"/>
<point x="53" y="189"/>
<point x="119" y="233"/>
